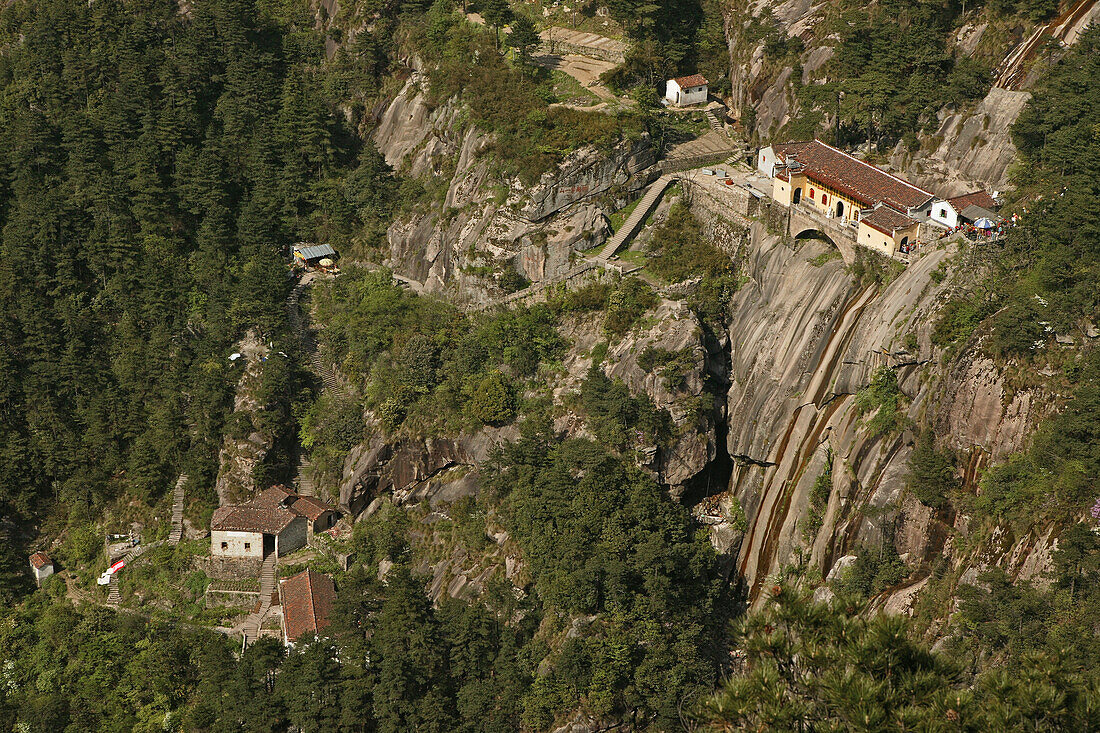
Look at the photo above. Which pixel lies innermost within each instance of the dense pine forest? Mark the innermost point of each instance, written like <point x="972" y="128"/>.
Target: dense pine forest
<point x="158" y="162"/>
<point x="157" y="167"/>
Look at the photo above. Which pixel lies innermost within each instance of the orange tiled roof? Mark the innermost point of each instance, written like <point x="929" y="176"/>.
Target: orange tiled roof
<point x="40" y="560"/>
<point x="695" y="80"/>
<point x="272" y="497"/>
<point x="307" y="599"/>
<point x="310" y="508"/>
<point x="269" y="512"/>
<point x="863" y="182"/>
<point x="977" y="198"/>
<point x="887" y="220"/>
<point x="246" y="518"/>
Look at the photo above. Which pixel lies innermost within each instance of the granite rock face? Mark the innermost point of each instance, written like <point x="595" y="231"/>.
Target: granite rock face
<point x="488" y="224"/>
<point x="972" y="147"/>
<point x="805" y="338"/>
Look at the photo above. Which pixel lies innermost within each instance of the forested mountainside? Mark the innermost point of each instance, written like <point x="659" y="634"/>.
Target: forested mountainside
<point x="747" y="485"/>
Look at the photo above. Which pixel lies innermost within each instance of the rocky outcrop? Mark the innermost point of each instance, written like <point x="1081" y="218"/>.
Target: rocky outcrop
<point x="971" y="149"/>
<point x="409" y="470"/>
<point x="805" y="338"/>
<point x="484" y="224"/>
<point x="586" y="173"/>
<point x="244" y="447"/>
<point x="694" y="409"/>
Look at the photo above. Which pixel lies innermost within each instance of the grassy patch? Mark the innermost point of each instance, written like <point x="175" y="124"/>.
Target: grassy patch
<point x="620" y="216"/>
<point x="568" y="90"/>
<point x="885" y="402"/>
<point x="634" y="257"/>
<point x="827" y="256"/>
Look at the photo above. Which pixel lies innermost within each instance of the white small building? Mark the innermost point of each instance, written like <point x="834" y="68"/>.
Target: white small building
<point x="686" y="90"/>
<point x="765" y="161"/>
<point x="953" y="211"/>
<point x="41" y="567"/>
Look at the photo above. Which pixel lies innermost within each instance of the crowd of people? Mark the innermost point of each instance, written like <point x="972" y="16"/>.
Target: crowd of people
<point x="974" y="233"/>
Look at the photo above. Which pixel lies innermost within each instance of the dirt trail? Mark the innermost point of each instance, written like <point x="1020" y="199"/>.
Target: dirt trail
<point x="584" y="69"/>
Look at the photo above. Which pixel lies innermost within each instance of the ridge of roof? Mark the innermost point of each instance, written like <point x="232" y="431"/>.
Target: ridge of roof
<point x="252" y="518"/>
<point x="691" y="80"/>
<point x="306" y="595"/>
<point x="974" y="198"/>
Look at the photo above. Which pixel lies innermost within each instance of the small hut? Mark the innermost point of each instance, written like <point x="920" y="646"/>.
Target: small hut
<point x="314" y="255"/>
<point x="41" y="567"/>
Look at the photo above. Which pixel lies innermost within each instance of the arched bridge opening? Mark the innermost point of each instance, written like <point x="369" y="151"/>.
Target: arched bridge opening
<point x="810" y="233"/>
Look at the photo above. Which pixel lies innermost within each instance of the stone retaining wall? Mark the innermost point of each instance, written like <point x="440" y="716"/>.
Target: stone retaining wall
<point x="214" y="598"/>
<point x="228" y="568"/>
<point x="723" y="216"/>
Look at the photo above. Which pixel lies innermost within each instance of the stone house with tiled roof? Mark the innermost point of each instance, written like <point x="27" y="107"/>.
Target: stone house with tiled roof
<point x="319" y="515"/>
<point x="968" y="207"/>
<point x="307" y="600"/>
<point x="276" y="520"/>
<point x="838" y="184"/>
<point x="887" y="231"/>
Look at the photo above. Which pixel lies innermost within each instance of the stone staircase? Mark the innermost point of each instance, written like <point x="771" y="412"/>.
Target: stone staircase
<point x="637" y="216"/>
<point x="176" y="534"/>
<point x="267" y="589"/>
<point x="713" y="121"/>
<point x="113" y="596"/>
<point x="304" y="482"/>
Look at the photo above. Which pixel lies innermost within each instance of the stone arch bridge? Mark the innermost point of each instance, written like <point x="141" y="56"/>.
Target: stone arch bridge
<point x="801" y="221"/>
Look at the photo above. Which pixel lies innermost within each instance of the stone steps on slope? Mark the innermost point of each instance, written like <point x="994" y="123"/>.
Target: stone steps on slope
<point x="637" y="216"/>
<point x="177" y="510"/>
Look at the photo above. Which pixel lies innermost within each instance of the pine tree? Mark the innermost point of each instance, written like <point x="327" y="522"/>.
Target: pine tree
<point x="523" y="37"/>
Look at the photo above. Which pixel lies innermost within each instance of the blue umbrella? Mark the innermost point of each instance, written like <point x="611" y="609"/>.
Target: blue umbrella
<point x="984" y="223"/>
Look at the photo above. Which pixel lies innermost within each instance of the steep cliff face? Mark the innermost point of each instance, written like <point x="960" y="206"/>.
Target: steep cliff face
<point x="484" y="223"/>
<point x="971" y="147"/>
<point x="767" y="404"/>
<point x="805" y="338"/>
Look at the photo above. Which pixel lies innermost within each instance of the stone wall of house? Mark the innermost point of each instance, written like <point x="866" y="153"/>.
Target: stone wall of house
<point x="236" y="544"/>
<point x="293" y="537"/>
<point x="325" y="521"/>
<point x="40" y="574"/>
